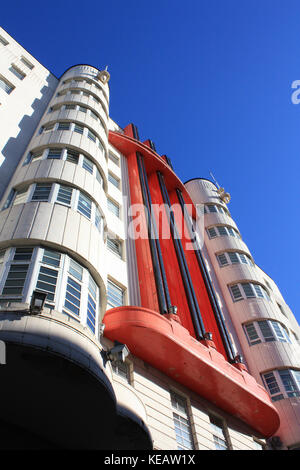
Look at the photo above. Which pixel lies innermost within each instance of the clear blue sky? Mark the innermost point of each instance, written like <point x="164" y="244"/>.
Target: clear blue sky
<point x="209" y="81"/>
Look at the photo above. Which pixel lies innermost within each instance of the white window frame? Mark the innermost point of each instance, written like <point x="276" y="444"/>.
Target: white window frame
<point x="274" y="336"/>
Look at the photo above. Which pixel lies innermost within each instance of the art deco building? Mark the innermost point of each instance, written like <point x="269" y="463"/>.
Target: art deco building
<point x="127" y="298"/>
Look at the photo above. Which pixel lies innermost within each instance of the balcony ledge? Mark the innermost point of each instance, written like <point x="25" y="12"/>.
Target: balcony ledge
<point x="167" y="346"/>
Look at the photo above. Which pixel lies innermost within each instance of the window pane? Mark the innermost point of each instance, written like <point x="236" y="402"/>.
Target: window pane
<point x="236" y="293"/>
<point x="64" y="195"/>
<point x="54" y="153"/>
<point x="212" y="232"/>
<point x="72" y="156"/>
<point x="41" y="192"/>
<point x="233" y="257"/>
<point x="222" y="231"/>
<point x="15" y="279"/>
<point x="73" y="295"/>
<point x="51" y="257"/>
<point x="115" y="295"/>
<point x="17" y="72"/>
<point x="289" y="384"/>
<point x="222" y="259"/>
<point x="113" y="207"/>
<point x="75" y="269"/>
<point x="115" y="181"/>
<point x="271" y="383"/>
<point x="248" y="290"/>
<point x="252" y="333"/>
<point x="266" y="330"/>
<point x="84" y="205"/>
<point x="6" y="86"/>
<point x="63" y="126"/>
<point x="88" y="165"/>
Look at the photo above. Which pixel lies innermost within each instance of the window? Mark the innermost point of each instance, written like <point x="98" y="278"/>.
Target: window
<point x="88" y="165"/>
<point x="54" y="153"/>
<point x="266" y="331"/>
<point x="231" y="257"/>
<point x="27" y="63"/>
<point x="115" y="295"/>
<point x="114" y="245"/>
<point x="72" y="156"/>
<point x="63" y="126"/>
<point x="83" y="109"/>
<point x="283" y="383"/>
<point x="94" y="115"/>
<point x="113" y="158"/>
<point x="9" y="199"/>
<point x="181" y="422"/>
<point x="248" y="290"/>
<point x="47" y="128"/>
<point x="41" y="192"/>
<point x="122" y="370"/>
<point x="6" y="86"/>
<point x="64" y="195"/>
<point x="92" y="304"/>
<point x="70" y="107"/>
<point x="21" y="196"/>
<point x="3" y="41"/>
<point x="73" y="292"/>
<point x="84" y="205"/>
<point x="210" y="208"/>
<point x="98" y="219"/>
<point x="17" y="273"/>
<point x="33" y="156"/>
<point x="221" y="231"/>
<point x="78" y="128"/>
<point x="78" y="291"/>
<point x="113" y="207"/>
<point x="91" y="135"/>
<point x="219" y="436"/>
<point x="17" y="72"/>
<point x="114" y="180"/>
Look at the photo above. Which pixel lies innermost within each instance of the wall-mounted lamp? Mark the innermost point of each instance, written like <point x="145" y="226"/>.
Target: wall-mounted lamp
<point x="37" y="302"/>
<point x="118" y="353"/>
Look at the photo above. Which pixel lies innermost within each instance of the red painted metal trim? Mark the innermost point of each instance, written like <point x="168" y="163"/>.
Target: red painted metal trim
<point x="167" y="346"/>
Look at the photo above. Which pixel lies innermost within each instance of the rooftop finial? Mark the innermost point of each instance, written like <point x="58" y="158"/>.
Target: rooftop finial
<point x="225" y="197"/>
<point x="104" y="75"/>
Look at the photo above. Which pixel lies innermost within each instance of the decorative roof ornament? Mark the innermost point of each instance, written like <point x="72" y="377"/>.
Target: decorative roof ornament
<point x="104" y="75"/>
<point x="225" y="197"/>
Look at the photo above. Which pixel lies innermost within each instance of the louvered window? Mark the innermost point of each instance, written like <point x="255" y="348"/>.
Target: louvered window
<point x="54" y="153"/>
<point x="222" y="259"/>
<point x="84" y="205"/>
<point x="236" y="293"/>
<point x="114" y="246"/>
<point x="115" y="295"/>
<point x="113" y="207"/>
<point x="41" y="192"/>
<point x="6" y="86"/>
<point x="64" y="195"/>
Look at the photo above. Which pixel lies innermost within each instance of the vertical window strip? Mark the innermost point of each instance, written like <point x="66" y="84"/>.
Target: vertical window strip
<point x="64" y="195"/>
<point x="219" y="437"/>
<point x="73" y="296"/>
<point x="41" y="192"/>
<point x="17" y="72"/>
<point x="6" y="86"/>
<point x="115" y="295"/>
<point x="47" y="280"/>
<point x="113" y="207"/>
<point x="84" y="205"/>
<point x="181" y="421"/>
<point x="92" y="304"/>
<point x="88" y="165"/>
<point x="252" y="333"/>
<point x="15" y="279"/>
<point x="272" y="386"/>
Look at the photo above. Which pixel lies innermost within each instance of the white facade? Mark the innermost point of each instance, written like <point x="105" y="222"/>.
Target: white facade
<point x="63" y="225"/>
<point x="265" y="326"/>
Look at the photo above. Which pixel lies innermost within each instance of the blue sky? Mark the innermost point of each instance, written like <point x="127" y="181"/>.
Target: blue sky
<point x="209" y="81"/>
